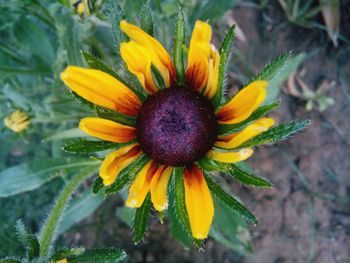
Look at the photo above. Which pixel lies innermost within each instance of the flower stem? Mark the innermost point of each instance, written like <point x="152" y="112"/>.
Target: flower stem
<point x="49" y="229"/>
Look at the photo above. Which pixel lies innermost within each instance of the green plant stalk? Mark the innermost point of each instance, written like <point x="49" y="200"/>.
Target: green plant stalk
<point x="48" y="231"/>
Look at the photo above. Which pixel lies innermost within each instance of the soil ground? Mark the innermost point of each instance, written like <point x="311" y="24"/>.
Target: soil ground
<point x="306" y="216"/>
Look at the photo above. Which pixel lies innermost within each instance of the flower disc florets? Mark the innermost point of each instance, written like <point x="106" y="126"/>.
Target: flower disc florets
<point x="176" y="126"/>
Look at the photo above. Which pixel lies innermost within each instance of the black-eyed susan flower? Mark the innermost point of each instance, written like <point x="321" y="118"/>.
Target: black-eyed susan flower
<point x="178" y="121"/>
<point x="17" y="121"/>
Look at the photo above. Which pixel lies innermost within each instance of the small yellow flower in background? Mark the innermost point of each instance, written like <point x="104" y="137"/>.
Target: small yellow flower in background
<point x="17" y="121"/>
<point x="82" y="6"/>
<point x="62" y="261"/>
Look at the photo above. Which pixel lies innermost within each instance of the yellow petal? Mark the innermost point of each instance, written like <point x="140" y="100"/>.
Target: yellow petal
<point x="242" y="105"/>
<point x="17" y="121"/>
<point x="230" y="157"/>
<point x="213" y="75"/>
<point x="159" y="56"/>
<point x="197" y="72"/>
<point x="116" y="161"/>
<point x="199" y="202"/>
<point x="236" y="139"/>
<point x="107" y="130"/>
<point x="159" y="187"/>
<point x="101" y="89"/>
<point x="138" y="60"/>
<point x="141" y="185"/>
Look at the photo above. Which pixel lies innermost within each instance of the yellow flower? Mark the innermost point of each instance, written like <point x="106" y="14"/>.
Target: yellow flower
<point x="17" y="121"/>
<point x="62" y="261"/>
<point x="175" y="126"/>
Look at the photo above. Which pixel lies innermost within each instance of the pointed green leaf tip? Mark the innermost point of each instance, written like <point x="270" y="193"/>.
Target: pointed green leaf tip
<point x="229" y="201"/>
<point x="277" y="71"/>
<point x="29" y="241"/>
<point x="179" y="43"/>
<point x="146" y="18"/>
<point x="278" y="133"/>
<point x="224" y="51"/>
<point x="141" y="219"/>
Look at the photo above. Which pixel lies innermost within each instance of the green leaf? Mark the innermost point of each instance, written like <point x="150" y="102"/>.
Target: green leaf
<point x="96" y="63"/>
<point x="141" y="219"/>
<point x="106" y="255"/>
<point x="29" y="176"/>
<point x="212" y="10"/>
<point x="29" y="241"/>
<point x="277" y="133"/>
<point x="66" y="134"/>
<point x="180" y="204"/>
<point x="224" y="51"/>
<point x="49" y="229"/>
<point x="115" y="116"/>
<point x="177" y="229"/>
<point x="81" y="207"/>
<point x="87" y="146"/>
<point x="229" y="201"/>
<point x="65" y="253"/>
<point x="230" y="229"/>
<point x="277" y="71"/>
<point x="226" y="129"/>
<point x="157" y="77"/>
<point x="127" y="174"/>
<point x="116" y="14"/>
<point x="146" y="18"/>
<point x="244" y="177"/>
<point x="97" y="185"/>
<point x="10" y="260"/>
<point x="30" y="35"/>
<point x="247" y="178"/>
<point x="179" y="42"/>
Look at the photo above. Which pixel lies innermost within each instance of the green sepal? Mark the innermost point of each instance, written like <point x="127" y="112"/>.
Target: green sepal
<point x="97" y="185"/>
<point x="127" y="174"/>
<point x="29" y="241"/>
<point x="157" y="77"/>
<point x="247" y="178"/>
<point x="10" y="260"/>
<point x="146" y="18"/>
<point x="92" y="255"/>
<point x="180" y="205"/>
<point x="179" y="42"/>
<point x="104" y="112"/>
<point x="96" y="63"/>
<point x="230" y="201"/>
<point x="277" y="71"/>
<point x="88" y="146"/>
<point x="242" y="176"/>
<point x="277" y="133"/>
<point x="141" y="219"/>
<point x="224" y="51"/>
<point x="226" y="129"/>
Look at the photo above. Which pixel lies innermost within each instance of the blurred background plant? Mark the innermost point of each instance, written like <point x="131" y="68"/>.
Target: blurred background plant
<point x="39" y="38"/>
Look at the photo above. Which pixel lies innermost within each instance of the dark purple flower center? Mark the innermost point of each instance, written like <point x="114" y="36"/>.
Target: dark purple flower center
<point x="176" y="126"/>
